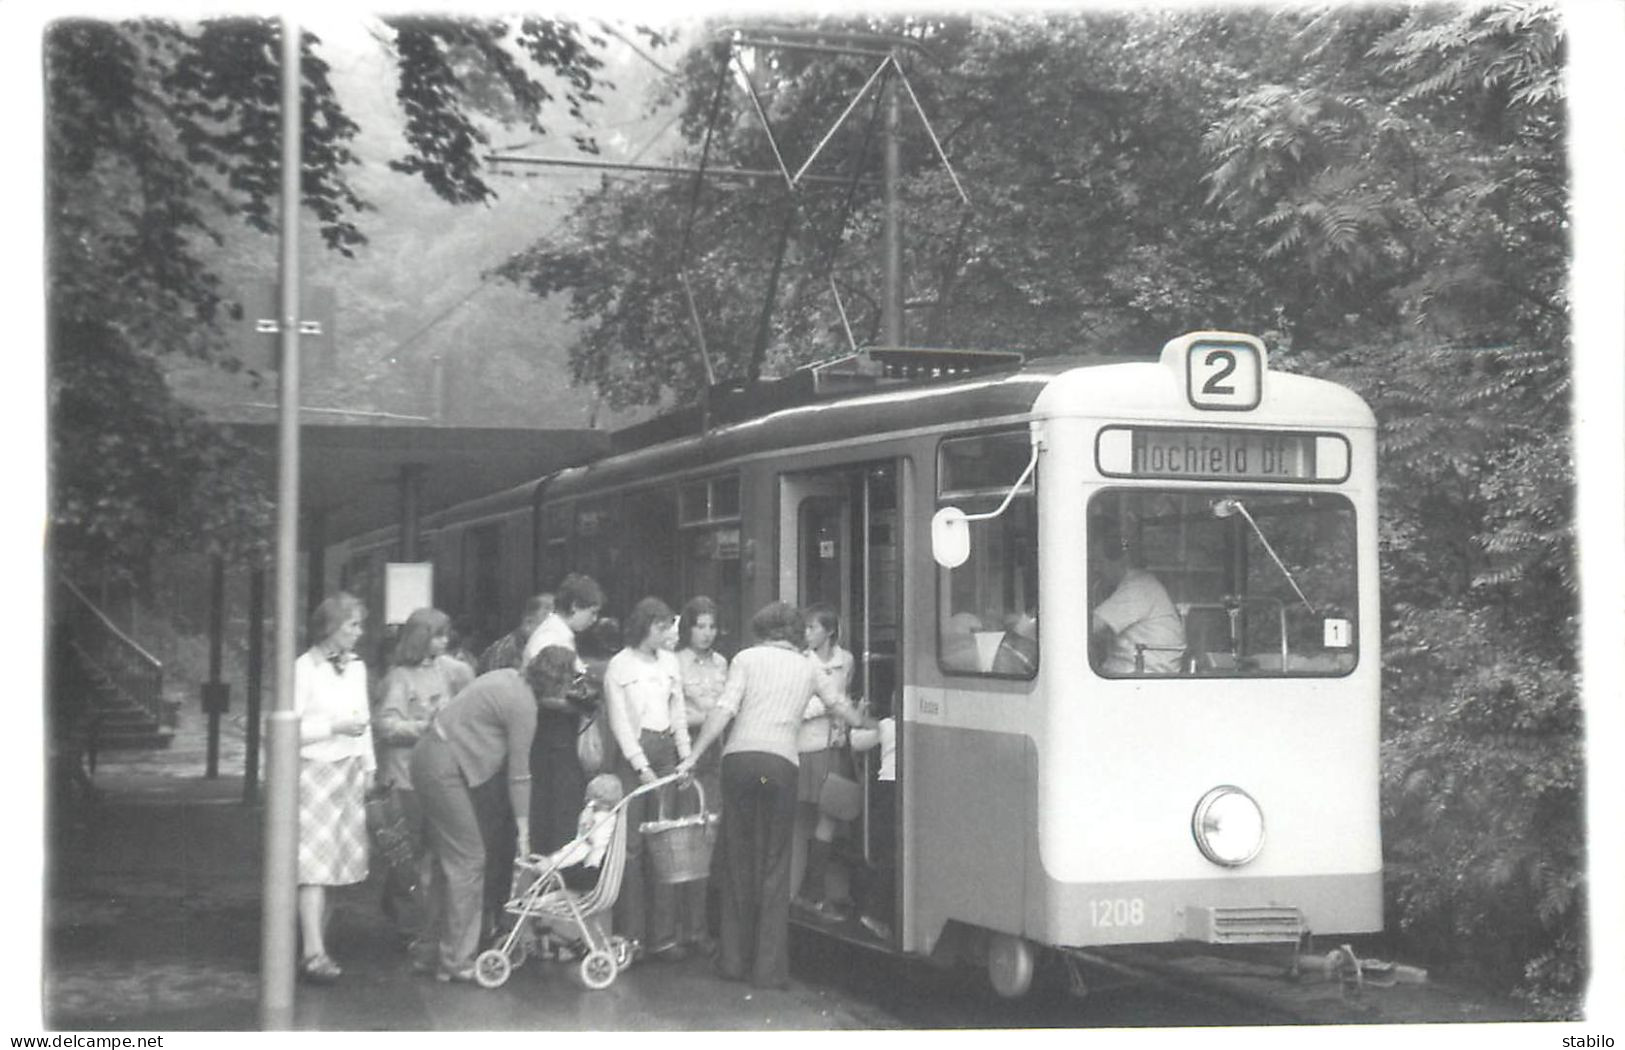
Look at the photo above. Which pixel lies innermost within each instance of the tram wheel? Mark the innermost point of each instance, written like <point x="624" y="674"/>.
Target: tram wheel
<point x="1010" y="965"/>
<point x="492" y="968"/>
<point x="598" y="970"/>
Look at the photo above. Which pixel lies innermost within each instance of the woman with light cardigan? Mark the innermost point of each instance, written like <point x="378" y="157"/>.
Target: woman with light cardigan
<point x="643" y="700"/>
<point x="768" y="687"/>
<point x="336" y="763"/>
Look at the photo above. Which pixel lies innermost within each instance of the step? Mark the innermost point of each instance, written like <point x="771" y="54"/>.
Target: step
<point x="106" y="730"/>
<point x="154" y="740"/>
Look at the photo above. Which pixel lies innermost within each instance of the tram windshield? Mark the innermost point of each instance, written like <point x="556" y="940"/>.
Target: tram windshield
<point x="1221" y="584"/>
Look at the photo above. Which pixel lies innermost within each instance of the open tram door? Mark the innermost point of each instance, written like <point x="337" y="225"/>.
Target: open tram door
<point x="839" y="536"/>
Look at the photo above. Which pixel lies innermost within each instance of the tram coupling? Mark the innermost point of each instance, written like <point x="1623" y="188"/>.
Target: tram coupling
<point x="1353" y="973"/>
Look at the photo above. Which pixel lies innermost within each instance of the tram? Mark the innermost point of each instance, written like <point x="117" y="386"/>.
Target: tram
<point x="1061" y="783"/>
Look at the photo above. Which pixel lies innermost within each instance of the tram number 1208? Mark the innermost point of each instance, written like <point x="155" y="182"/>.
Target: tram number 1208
<point x="1119" y="911"/>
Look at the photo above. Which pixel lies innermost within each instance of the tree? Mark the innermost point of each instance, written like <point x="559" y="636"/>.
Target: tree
<point x="160" y="135"/>
<point x="1414" y="169"/>
<point x="1087" y="226"/>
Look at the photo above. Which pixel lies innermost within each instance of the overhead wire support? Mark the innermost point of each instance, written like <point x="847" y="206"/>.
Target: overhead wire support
<point x="930" y="131"/>
<point x="846" y="210"/>
<point x="705" y="157"/>
<point x="820" y="48"/>
<point x="655" y="169"/>
<point x="699" y="330"/>
<point x="840" y="308"/>
<point x="795" y="38"/>
<point x="761" y="113"/>
<point x="688" y="225"/>
<point x="835" y="127"/>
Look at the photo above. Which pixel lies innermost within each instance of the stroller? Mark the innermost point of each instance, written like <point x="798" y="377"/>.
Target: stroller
<point x="546" y="897"/>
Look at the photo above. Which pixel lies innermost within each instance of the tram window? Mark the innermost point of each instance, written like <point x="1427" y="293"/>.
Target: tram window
<point x="482" y="609"/>
<point x="711" y="550"/>
<point x="716" y="499"/>
<point x="553" y="550"/>
<point x="1218" y="584"/>
<point x="600" y="549"/>
<point x="987" y="619"/>
<point x="711" y="566"/>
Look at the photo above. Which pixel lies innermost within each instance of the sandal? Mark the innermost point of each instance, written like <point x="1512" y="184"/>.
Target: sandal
<point x="319" y="969"/>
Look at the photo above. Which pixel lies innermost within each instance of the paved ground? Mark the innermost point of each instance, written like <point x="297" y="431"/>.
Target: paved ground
<point x="153" y="923"/>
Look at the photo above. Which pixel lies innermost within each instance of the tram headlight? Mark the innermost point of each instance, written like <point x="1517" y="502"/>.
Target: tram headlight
<point x="1228" y="826"/>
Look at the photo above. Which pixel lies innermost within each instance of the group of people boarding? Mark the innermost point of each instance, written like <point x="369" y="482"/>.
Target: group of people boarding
<point x="485" y="767"/>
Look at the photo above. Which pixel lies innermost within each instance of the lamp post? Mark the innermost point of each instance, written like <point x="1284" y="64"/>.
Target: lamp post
<point x="280" y="877"/>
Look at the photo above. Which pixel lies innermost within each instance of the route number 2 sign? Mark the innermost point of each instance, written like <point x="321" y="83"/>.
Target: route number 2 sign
<point x="1224" y="375"/>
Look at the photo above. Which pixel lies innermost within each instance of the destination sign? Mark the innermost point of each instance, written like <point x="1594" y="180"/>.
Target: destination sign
<point x="1255" y="455"/>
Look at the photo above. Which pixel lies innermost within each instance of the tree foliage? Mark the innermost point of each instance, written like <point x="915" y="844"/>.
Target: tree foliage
<point x="1416" y="170"/>
<point x="1381" y="190"/>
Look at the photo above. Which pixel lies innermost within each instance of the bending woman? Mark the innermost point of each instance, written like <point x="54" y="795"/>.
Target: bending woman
<point x="485" y="730"/>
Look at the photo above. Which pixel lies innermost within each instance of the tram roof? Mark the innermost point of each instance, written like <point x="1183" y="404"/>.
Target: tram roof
<point x="680" y="440"/>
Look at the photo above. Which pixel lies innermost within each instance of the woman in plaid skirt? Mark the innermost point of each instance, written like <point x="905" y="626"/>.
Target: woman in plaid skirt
<point x="335" y="764"/>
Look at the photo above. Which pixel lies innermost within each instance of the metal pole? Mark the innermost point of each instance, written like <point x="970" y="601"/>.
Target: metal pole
<point x="315" y="557"/>
<point x="217" y="632"/>
<point x="661" y="169"/>
<point x="437" y="388"/>
<point x="411" y="509"/>
<point x="892" y="304"/>
<point x="278" y="913"/>
<point x="256" y="667"/>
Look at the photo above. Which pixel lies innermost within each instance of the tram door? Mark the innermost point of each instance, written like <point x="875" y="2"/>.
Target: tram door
<point x="839" y="535"/>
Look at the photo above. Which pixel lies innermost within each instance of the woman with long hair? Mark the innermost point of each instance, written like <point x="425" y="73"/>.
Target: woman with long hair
<point x="643" y="701"/>
<point x="705" y="672"/>
<point x="420" y="681"/>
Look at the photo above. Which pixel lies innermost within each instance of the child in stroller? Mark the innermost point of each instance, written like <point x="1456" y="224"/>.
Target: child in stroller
<point x="570" y="892"/>
<point x="579" y="860"/>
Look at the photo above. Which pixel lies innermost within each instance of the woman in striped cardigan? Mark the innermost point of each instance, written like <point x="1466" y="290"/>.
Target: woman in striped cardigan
<point x="768" y="687"/>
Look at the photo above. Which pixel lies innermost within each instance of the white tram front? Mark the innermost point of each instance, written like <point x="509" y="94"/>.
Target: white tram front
<point x="1214" y="778"/>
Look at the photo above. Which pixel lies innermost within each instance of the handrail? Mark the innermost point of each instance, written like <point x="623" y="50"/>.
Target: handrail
<point x="133" y="671"/>
<point x="123" y="638"/>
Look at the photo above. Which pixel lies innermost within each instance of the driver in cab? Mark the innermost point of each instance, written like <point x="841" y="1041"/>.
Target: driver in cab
<point x="1137" y="624"/>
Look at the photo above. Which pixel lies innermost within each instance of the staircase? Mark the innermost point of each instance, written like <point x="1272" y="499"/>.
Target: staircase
<point x="106" y="693"/>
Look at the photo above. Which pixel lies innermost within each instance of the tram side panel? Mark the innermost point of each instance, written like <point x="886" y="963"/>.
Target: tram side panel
<point x="967" y="765"/>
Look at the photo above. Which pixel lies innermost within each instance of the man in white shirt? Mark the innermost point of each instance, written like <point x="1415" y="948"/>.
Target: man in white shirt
<point x="575" y="608"/>
<point x="1144" y="631"/>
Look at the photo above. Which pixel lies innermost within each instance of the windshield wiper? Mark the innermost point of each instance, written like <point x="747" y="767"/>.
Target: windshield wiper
<point x="1224" y="508"/>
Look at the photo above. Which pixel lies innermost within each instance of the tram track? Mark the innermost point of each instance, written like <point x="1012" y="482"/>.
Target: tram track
<point x="887" y="991"/>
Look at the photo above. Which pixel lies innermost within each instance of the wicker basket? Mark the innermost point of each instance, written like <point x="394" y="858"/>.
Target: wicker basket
<point x="680" y="847"/>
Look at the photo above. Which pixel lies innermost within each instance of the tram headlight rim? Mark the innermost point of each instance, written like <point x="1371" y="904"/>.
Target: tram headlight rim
<point x="1205" y="829"/>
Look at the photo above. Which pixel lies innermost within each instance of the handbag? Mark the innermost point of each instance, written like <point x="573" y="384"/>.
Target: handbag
<point x="590" y="744"/>
<point x="392" y="838"/>
<point x="840" y="798"/>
